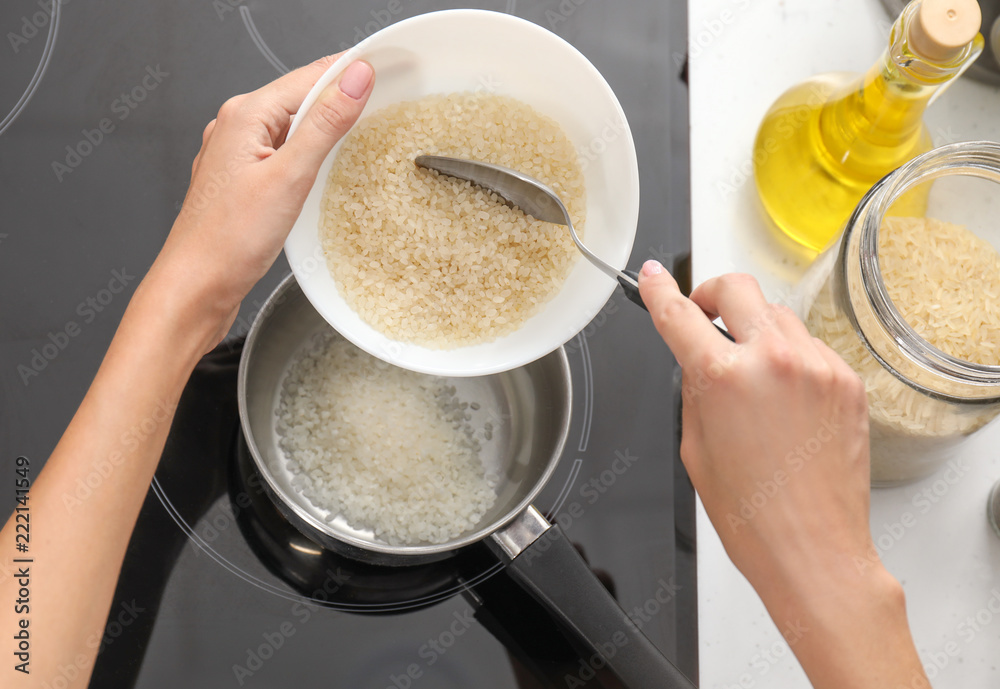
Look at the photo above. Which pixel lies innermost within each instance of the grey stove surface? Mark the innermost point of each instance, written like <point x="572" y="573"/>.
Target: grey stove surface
<point x="84" y="212"/>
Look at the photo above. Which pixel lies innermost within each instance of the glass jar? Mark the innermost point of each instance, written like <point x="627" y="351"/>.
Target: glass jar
<point x="993" y="508"/>
<point x="922" y="401"/>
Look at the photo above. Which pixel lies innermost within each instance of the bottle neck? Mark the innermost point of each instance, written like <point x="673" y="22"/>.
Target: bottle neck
<point x="886" y="105"/>
<point x="884" y="108"/>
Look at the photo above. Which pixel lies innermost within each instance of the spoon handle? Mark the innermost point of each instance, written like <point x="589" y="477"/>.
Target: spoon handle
<point x="632" y="292"/>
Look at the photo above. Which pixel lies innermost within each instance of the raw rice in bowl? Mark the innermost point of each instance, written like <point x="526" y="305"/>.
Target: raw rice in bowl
<point x="440" y="262"/>
<point x="488" y="53"/>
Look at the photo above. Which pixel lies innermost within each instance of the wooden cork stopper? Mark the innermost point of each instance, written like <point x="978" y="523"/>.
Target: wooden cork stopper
<point x="941" y="28"/>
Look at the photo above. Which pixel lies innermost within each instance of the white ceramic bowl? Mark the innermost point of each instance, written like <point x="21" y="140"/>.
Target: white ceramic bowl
<point x="465" y="50"/>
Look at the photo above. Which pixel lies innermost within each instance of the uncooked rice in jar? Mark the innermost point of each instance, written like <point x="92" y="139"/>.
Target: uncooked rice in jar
<point x="945" y="282"/>
<point x="387" y="449"/>
<point x="429" y="259"/>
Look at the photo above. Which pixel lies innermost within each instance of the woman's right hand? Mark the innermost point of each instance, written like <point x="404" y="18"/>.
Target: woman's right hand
<point x="775" y="440"/>
<point x="775" y="426"/>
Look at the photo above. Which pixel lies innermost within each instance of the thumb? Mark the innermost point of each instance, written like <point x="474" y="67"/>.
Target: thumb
<point x="681" y="323"/>
<point x="329" y="118"/>
<point x="657" y="286"/>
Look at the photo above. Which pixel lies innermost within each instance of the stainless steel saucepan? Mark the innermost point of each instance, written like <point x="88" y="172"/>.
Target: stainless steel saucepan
<point x="530" y="409"/>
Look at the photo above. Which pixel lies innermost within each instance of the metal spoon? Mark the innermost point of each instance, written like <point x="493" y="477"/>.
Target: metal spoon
<point x="534" y="198"/>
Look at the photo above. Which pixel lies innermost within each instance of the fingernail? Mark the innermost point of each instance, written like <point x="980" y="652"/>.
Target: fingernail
<point x="651" y="267"/>
<point x="356" y="79"/>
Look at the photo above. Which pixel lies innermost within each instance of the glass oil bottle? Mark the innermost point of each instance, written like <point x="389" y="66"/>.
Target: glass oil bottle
<point x="826" y="141"/>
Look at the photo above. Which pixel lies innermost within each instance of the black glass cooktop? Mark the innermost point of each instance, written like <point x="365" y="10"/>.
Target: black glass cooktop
<point x="103" y="103"/>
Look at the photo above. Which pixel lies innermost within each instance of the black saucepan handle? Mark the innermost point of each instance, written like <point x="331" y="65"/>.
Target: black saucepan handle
<point x="633" y="295"/>
<point x="551" y="570"/>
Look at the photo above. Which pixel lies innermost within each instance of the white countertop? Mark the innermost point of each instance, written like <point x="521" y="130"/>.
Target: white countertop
<point x="743" y="54"/>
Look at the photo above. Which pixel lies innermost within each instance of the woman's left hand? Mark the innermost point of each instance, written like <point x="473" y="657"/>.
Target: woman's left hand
<point x="247" y="188"/>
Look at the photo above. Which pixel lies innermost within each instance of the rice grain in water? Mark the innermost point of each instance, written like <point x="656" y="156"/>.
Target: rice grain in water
<point x="388" y="449"/>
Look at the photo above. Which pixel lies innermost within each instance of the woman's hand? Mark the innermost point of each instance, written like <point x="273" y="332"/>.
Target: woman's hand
<point x="775" y="426"/>
<point x="775" y="440"/>
<point x="247" y="188"/>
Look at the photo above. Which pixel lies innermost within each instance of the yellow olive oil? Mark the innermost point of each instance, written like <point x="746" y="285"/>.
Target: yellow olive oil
<point x="826" y="141"/>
